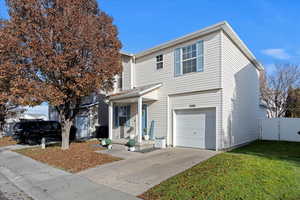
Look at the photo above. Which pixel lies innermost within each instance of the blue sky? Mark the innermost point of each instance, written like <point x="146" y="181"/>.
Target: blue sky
<point x="270" y="28"/>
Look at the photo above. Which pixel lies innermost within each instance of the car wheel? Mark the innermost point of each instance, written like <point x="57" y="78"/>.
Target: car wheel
<point x="20" y="141"/>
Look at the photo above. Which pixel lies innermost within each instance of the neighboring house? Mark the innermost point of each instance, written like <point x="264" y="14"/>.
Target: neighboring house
<point x="93" y="114"/>
<point x="200" y="90"/>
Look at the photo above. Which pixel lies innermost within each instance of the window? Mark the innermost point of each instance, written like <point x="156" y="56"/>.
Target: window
<point x="159" y="61"/>
<point x="189" y="59"/>
<point x="120" y="81"/>
<point x="122" y="116"/>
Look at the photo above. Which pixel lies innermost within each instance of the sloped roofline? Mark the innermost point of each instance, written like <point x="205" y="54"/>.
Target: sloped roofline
<point x="135" y="92"/>
<point x="224" y="26"/>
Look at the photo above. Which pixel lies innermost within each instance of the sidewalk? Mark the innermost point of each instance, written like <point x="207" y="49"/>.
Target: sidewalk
<point x="43" y="182"/>
<point x="9" y="191"/>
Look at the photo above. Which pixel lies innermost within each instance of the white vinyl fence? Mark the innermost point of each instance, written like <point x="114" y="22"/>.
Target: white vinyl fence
<point x="284" y="129"/>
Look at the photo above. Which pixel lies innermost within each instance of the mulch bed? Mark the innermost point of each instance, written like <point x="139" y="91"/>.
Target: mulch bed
<point x="7" y="141"/>
<point x="79" y="157"/>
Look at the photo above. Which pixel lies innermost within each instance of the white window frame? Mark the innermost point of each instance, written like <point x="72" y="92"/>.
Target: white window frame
<point x="181" y="59"/>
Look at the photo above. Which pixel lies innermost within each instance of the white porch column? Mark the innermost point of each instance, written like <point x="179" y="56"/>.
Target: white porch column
<point x="110" y="120"/>
<point x="140" y="103"/>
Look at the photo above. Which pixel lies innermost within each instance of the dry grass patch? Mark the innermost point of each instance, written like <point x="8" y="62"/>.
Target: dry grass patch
<point x="7" y="141"/>
<point x="79" y="157"/>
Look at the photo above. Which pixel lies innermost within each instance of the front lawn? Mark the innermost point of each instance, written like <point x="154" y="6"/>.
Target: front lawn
<point x="7" y="141"/>
<point x="263" y="170"/>
<point x="80" y="156"/>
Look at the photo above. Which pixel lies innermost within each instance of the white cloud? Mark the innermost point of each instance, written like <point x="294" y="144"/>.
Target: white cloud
<point x="277" y="53"/>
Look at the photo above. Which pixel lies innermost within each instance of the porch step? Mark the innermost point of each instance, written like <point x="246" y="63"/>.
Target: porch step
<point x="120" y="141"/>
<point x="149" y="144"/>
<point x="145" y="146"/>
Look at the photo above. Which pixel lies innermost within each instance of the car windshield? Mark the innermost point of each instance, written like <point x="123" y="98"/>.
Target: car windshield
<point x="18" y="126"/>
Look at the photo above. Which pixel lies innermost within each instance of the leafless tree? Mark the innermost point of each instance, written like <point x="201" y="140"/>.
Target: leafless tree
<point x="275" y="86"/>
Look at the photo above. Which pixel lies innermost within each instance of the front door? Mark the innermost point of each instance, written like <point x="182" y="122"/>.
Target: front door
<point x="144" y="119"/>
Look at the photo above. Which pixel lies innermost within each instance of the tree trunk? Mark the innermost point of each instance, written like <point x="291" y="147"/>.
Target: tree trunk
<point x="1" y="130"/>
<point x="66" y="126"/>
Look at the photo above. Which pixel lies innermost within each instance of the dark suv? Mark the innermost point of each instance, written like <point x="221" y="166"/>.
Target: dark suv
<point x="32" y="132"/>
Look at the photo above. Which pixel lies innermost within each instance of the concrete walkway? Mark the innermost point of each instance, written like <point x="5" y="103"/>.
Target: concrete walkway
<point x="139" y="172"/>
<point x="42" y="182"/>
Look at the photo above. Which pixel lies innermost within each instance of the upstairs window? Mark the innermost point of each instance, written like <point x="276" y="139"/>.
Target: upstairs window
<point x="189" y="59"/>
<point x="120" y="81"/>
<point x="159" y="61"/>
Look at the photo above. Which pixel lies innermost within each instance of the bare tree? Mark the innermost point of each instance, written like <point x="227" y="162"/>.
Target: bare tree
<point x="275" y="87"/>
<point x="293" y="102"/>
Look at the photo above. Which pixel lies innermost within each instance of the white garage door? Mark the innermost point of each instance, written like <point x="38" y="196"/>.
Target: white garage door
<point x="196" y="128"/>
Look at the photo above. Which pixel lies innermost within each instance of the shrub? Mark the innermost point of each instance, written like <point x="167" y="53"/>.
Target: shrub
<point x="131" y="143"/>
<point x="108" y="141"/>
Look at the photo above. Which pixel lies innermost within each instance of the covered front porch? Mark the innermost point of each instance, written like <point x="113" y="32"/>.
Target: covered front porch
<point x="129" y="114"/>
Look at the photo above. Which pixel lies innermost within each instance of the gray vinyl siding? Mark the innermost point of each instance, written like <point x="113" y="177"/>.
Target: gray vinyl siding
<point x="240" y="93"/>
<point x="210" y="79"/>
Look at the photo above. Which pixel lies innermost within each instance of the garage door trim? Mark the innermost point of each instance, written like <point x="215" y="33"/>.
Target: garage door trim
<point x="174" y="121"/>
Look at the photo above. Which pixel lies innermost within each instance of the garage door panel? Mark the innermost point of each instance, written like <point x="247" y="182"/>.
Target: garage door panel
<point x="195" y="128"/>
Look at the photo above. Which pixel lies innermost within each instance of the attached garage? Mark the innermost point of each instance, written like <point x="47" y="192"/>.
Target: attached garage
<point x="195" y="128"/>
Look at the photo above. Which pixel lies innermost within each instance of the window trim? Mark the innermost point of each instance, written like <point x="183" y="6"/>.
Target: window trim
<point x="158" y="62"/>
<point x="180" y="62"/>
<point x="118" y="116"/>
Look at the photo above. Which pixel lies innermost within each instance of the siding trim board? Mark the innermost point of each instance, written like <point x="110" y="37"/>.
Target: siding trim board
<point x="194" y="92"/>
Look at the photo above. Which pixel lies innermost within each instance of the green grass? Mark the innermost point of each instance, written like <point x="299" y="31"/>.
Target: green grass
<point x="263" y="170"/>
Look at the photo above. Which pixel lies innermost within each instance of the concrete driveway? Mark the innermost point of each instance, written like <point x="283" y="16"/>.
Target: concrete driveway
<point x="141" y="171"/>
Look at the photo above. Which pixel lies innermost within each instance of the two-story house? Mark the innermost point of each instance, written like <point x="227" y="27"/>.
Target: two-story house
<point x="200" y="90"/>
